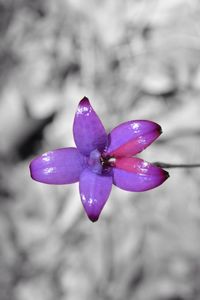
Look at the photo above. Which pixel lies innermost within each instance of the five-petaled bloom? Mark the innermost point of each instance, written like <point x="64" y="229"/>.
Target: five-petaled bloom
<point x="100" y="160"/>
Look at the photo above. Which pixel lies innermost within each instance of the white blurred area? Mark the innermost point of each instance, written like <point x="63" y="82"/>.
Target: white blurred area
<point x="134" y="60"/>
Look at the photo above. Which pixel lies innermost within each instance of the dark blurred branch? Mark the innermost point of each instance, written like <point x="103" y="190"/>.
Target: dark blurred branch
<point x="173" y="166"/>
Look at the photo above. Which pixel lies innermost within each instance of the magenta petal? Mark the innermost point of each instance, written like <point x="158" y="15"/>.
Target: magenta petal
<point x="136" y="175"/>
<point x="138" y="166"/>
<point x="89" y="132"/>
<point x="94" y="191"/>
<point x="132" y="137"/>
<point x="60" y="166"/>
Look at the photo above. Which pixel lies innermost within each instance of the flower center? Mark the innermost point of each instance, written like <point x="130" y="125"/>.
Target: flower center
<point x="99" y="163"/>
<point x="107" y="161"/>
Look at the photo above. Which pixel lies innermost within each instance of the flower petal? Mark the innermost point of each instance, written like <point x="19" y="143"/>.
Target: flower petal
<point x="136" y="175"/>
<point x="94" y="191"/>
<point x="60" y="166"/>
<point x="89" y="132"/>
<point x="132" y="137"/>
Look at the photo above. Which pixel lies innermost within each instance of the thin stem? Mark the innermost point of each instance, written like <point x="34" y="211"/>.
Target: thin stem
<point x="170" y="166"/>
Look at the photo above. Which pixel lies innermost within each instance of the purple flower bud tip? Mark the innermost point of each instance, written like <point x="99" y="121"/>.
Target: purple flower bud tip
<point x="166" y="174"/>
<point x="100" y="160"/>
<point x="160" y="129"/>
<point x="84" y="102"/>
<point x="93" y="218"/>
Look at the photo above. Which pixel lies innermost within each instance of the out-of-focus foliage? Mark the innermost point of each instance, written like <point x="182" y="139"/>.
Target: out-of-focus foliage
<point x="134" y="60"/>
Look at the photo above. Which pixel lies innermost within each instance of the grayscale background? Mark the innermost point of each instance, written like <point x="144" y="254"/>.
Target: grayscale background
<point x="134" y="60"/>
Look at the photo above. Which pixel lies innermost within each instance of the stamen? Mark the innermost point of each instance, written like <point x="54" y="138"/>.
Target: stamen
<point x="112" y="161"/>
<point x="107" y="161"/>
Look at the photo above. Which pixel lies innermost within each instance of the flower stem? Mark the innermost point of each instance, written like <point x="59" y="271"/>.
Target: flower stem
<point x="172" y="166"/>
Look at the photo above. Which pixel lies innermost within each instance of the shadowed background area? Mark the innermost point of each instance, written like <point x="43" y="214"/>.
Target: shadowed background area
<point x="133" y="60"/>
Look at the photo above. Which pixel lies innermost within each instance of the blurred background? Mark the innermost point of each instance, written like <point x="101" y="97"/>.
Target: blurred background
<point x="134" y="59"/>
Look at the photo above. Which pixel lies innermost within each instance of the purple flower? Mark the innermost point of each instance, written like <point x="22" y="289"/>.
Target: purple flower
<point x="100" y="159"/>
